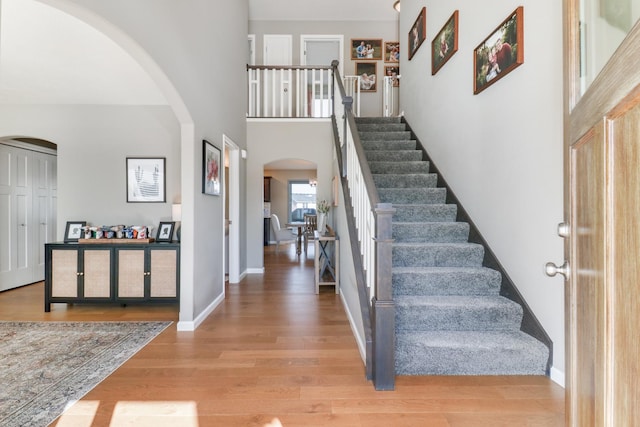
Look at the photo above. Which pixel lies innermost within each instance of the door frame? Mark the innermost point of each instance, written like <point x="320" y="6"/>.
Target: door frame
<point x="234" y="210"/>
<point x="319" y="37"/>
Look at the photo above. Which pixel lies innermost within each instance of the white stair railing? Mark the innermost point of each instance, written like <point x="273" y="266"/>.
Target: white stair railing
<point x="293" y="91"/>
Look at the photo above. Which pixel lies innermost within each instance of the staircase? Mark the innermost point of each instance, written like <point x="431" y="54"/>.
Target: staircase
<point x="450" y="317"/>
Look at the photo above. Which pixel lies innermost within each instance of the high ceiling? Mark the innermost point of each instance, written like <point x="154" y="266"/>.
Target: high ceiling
<point x="49" y="57"/>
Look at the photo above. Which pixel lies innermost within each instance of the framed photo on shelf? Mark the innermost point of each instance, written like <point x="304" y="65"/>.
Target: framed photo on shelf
<point x="445" y="44"/>
<point x="146" y="180"/>
<point x="418" y="32"/>
<point x="366" y="49"/>
<point x="391" y="52"/>
<point x="165" y="231"/>
<point x="500" y="53"/>
<point x="210" y="168"/>
<point x="368" y="78"/>
<point x="73" y="232"/>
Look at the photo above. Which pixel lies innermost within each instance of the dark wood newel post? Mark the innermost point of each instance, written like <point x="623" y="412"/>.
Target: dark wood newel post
<point x="384" y="309"/>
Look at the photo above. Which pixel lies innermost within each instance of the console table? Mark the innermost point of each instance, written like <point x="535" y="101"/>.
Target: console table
<point x="327" y="260"/>
<point x="113" y="271"/>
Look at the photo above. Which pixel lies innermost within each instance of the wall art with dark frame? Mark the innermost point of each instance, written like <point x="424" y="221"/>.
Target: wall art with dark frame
<point x="146" y="179"/>
<point x="500" y="53"/>
<point x="366" y="49"/>
<point x="417" y="33"/>
<point x="73" y="232"/>
<point x="210" y="169"/>
<point x="367" y="71"/>
<point x="165" y="231"/>
<point x="445" y="44"/>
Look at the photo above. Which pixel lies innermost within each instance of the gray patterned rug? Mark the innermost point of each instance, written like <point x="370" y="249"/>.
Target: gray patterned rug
<point x="46" y="365"/>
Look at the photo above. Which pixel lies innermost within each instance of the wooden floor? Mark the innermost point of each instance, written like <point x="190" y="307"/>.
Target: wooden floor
<point x="275" y="350"/>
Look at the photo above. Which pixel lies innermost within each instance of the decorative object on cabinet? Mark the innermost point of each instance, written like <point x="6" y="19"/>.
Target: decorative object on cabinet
<point x="74" y="230"/>
<point x="391" y="52"/>
<point x="210" y="169"/>
<point x="367" y="71"/>
<point x="111" y="273"/>
<point x="176" y="216"/>
<point x="363" y="49"/>
<point x="418" y="32"/>
<point x="146" y="180"/>
<point x="165" y="231"/>
<point x="445" y="44"/>
<point x="500" y="53"/>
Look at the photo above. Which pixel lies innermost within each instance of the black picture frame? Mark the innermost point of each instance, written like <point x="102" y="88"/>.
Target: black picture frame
<point x="146" y="180"/>
<point x="417" y="33"/>
<point x="73" y="231"/>
<point x="211" y="170"/>
<point x="165" y="231"/>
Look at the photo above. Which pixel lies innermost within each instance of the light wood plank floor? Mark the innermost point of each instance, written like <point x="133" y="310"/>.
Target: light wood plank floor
<point x="274" y="349"/>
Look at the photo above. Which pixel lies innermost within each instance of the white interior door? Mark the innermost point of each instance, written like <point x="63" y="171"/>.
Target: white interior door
<point x="318" y="50"/>
<point x="277" y="49"/>
<point x="321" y="50"/>
<point x="277" y="87"/>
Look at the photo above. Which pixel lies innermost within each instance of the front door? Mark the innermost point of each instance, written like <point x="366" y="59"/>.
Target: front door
<point x="602" y="209"/>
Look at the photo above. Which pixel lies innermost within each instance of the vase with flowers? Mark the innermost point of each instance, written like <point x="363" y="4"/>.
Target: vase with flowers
<point x="323" y="209"/>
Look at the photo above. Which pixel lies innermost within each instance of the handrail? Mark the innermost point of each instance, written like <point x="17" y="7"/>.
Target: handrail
<point x="370" y="226"/>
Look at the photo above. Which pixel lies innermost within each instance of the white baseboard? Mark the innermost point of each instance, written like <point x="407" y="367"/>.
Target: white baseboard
<point x="557" y="376"/>
<point x="354" y="329"/>
<point x="186" y="326"/>
<point x="255" y="270"/>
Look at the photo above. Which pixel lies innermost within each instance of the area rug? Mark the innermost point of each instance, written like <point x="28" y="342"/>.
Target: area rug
<point x="46" y="365"/>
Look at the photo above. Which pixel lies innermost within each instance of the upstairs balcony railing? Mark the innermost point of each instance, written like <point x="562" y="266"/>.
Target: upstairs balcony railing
<point x="295" y="91"/>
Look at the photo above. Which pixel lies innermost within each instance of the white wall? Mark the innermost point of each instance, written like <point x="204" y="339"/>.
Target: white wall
<point x="268" y="141"/>
<point x="93" y="143"/>
<point x="371" y="102"/>
<point x="178" y="43"/>
<point x="500" y="150"/>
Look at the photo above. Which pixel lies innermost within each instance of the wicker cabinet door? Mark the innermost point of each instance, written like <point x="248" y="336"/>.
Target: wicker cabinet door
<point x="97" y="273"/>
<point x="131" y="273"/>
<point x="64" y="273"/>
<point x="164" y="273"/>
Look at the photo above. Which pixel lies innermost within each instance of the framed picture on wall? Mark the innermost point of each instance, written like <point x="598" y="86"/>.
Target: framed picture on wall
<point x="500" y="53"/>
<point x="368" y="78"/>
<point x="445" y="44"/>
<point x="210" y="169"/>
<point x="73" y="232"/>
<point x="146" y="180"/>
<point x="393" y="71"/>
<point x="366" y="49"/>
<point x="418" y="32"/>
<point x="391" y="52"/>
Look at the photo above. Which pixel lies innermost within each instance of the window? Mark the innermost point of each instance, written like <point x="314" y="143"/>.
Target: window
<point x="302" y="200"/>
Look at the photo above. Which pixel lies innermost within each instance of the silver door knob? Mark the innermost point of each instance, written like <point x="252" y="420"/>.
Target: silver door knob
<point x="551" y="269"/>
<point x="563" y="229"/>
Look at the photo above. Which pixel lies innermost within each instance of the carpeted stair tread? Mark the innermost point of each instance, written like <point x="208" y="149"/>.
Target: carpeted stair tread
<point x="434" y="212"/>
<point x="378" y="136"/>
<point x="365" y="120"/>
<point x="382" y="127"/>
<point x="425" y="196"/>
<point x="389" y="145"/>
<point x="457" y="313"/>
<point x="405" y="180"/>
<point x="393" y="155"/>
<point x="469" y="353"/>
<point x="467" y="281"/>
<point x="399" y="167"/>
<point x="430" y="232"/>
<point x="437" y="254"/>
